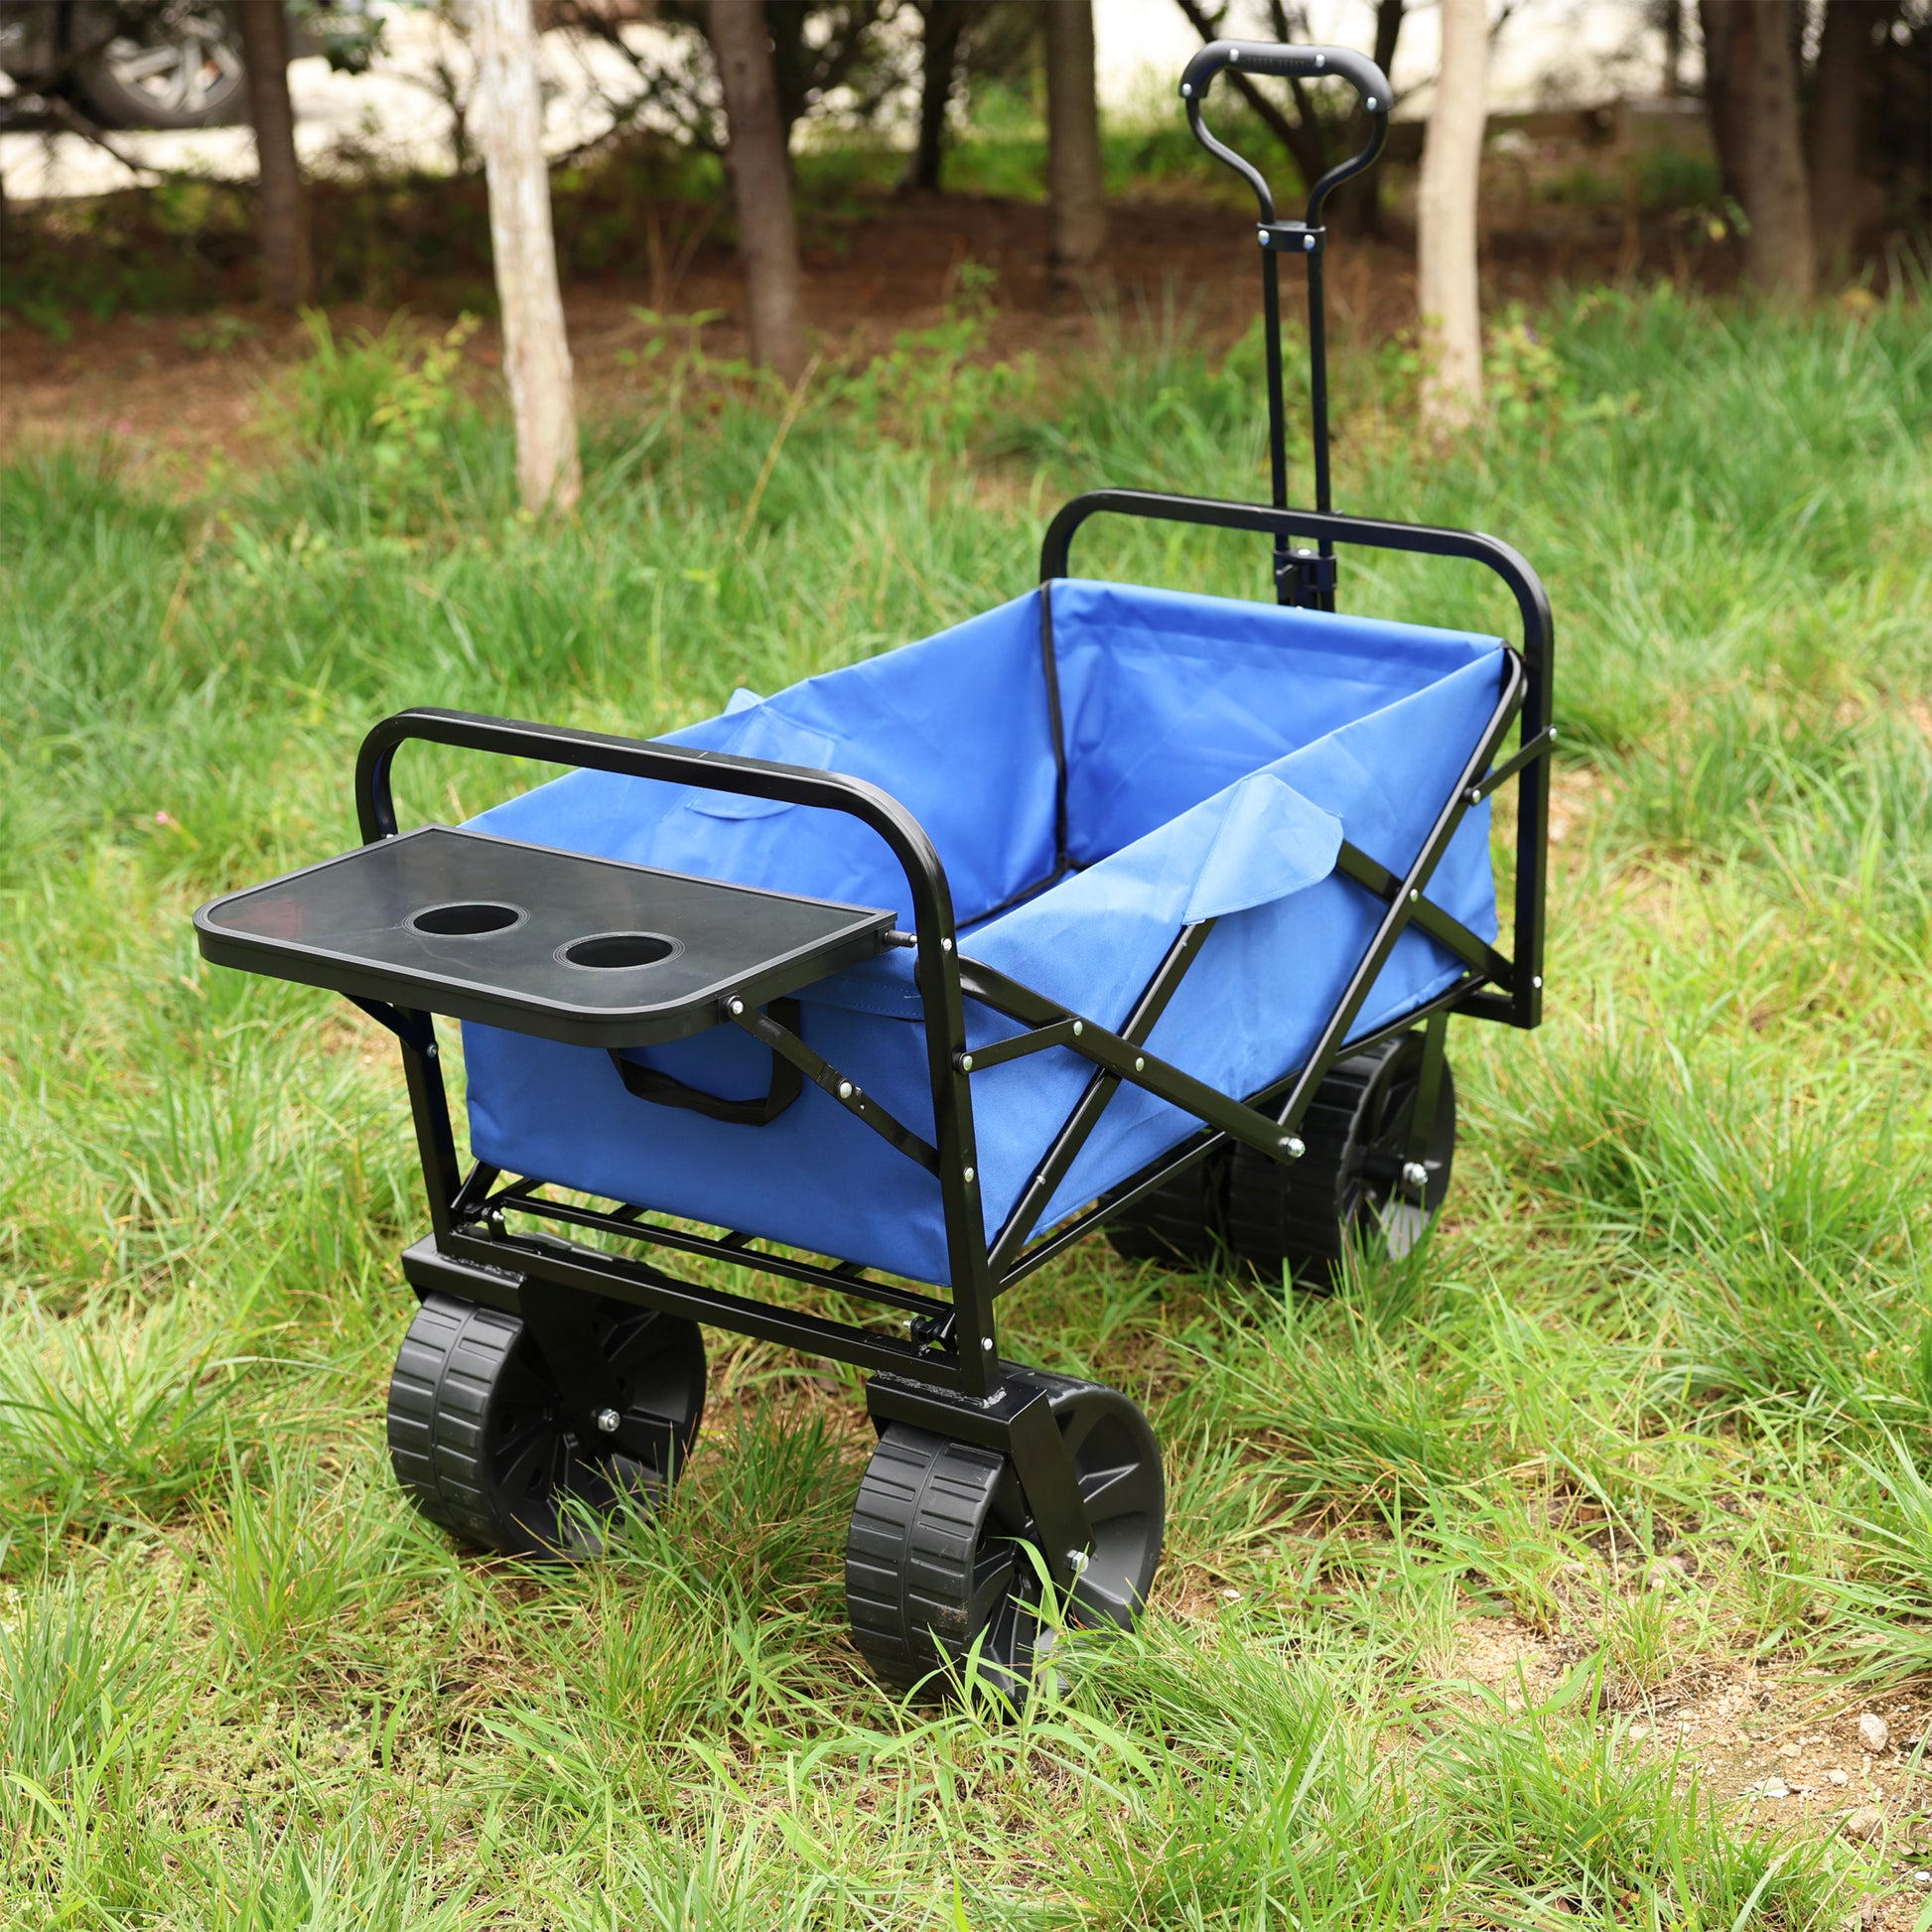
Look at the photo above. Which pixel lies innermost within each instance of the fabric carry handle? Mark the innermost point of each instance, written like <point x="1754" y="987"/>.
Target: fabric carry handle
<point x="665" y="1090"/>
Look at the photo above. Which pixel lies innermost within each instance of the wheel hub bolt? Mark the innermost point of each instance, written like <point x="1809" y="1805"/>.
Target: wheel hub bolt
<point x="609" y="1421"/>
<point x="1415" y="1174"/>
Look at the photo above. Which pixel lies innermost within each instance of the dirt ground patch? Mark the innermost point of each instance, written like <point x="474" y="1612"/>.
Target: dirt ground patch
<point x="1786" y="1745"/>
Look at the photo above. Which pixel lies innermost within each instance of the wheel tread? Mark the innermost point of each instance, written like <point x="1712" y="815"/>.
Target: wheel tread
<point x="1300" y="1219"/>
<point x="923" y="1530"/>
<point x="442" y="1396"/>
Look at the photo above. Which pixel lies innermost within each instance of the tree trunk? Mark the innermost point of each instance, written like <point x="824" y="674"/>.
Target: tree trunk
<point x="1673" y="49"/>
<point x="1762" y="91"/>
<point x="942" y="29"/>
<point x="1446" y="223"/>
<point x="536" y="351"/>
<point x="1075" y="185"/>
<point x="767" y="234"/>
<point x="1835" y="129"/>
<point x="1720" y="102"/>
<point x="288" y="266"/>
<point x="1359" y="203"/>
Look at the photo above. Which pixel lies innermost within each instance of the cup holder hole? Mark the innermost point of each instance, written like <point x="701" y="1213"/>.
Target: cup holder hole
<point x="612" y="949"/>
<point x="465" y="920"/>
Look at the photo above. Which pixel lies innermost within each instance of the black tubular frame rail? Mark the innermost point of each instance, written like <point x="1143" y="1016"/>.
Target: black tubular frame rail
<point x="948" y="1358"/>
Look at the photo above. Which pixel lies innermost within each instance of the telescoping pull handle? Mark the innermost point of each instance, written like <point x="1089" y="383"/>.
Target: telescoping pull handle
<point x="1298" y="64"/>
<point x="1309" y="581"/>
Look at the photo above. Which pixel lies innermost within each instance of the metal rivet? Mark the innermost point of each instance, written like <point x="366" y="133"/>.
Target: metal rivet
<point x="609" y="1421"/>
<point x="945" y="945"/>
<point x="1187" y="92"/>
<point x="845" y="1089"/>
<point x="965" y="1062"/>
<point x="1415" y="1174"/>
<point x="431" y="1051"/>
<point x="967" y="1177"/>
<point x="1235" y="56"/>
<point x="1414" y="896"/>
<point x="737" y="1006"/>
<point x="1261" y="235"/>
<point x="1140" y="1066"/>
<point x="1079" y="1026"/>
<point x="1322" y="60"/>
<point x="1308" y="241"/>
<point x="1475" y="795"/>
<point x="1371" y="103"/>
<point x="987" y="1344"/>
<point x="1553" y="734"/>
<point x="1295" y="1147"/>
<point x="1537" y="982"/>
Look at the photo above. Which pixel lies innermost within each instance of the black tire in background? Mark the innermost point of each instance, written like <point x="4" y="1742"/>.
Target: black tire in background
<point x="164" y="64"/>
<point x="1299" y="1219"/>
<point x="1179" y="1225"/>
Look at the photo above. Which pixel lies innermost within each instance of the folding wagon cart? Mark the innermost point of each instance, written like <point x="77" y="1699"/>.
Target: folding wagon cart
<point x="1109" y="908"/>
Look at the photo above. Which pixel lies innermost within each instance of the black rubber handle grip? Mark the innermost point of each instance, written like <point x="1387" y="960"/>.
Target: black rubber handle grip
<point x="1304" y="63"/>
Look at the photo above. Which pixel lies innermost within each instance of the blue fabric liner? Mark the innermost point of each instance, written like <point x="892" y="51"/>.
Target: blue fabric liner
<point x="1217" y="753"/>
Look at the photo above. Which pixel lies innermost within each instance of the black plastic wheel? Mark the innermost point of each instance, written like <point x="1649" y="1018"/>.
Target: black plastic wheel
<point x="1348" y="1184"/>
<point x="1182" y="1222"/>
<point x="933" y="1561"/>
<point x="170" y="64"/>
<point x="479" y="1435"/>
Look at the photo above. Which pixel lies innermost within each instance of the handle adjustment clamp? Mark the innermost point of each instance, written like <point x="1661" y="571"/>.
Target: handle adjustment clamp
<point x="1305" y="577"/>
<point x="1292" y="237"/>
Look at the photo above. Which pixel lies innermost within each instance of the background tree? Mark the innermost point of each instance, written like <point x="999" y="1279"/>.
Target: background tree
<point x="945" y="28"/>
<point x="282" y="200"/>
<point x="761" y="178"/>
<point x="1751" y="91"/>
<point x="1075" y="185"/>
<point x="1668" y="16"/>
<point x="1446" y="222"/>
<point x="819" y="50"/>
<point x="965" y="44"/>
<point x="1362" y="196"/>
<point x="1838" y="91"/>
<point x="942" y="34"/>
<point x="536" y="351"/>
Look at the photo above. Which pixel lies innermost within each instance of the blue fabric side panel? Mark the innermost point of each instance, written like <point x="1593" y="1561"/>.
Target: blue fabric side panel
<point x="954" y="727"/>
<point x="1248" y="1012"/>
<point x="1267" y="978"/>
<point x="815" y="1179"/>
<point x="1169" y="697"/>
<point x="1095" y="940"/>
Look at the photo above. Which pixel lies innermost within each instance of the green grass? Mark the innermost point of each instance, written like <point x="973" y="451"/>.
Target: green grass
<point x="1681" y="1308"/>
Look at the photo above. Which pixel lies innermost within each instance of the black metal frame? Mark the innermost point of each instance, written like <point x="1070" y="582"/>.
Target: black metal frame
<point x="946" y="1372"/>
